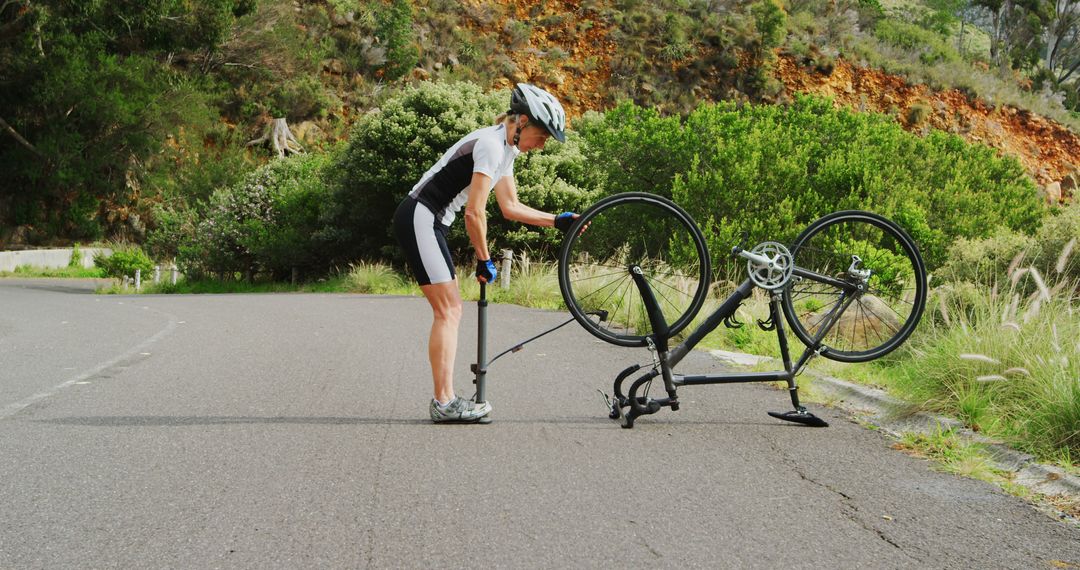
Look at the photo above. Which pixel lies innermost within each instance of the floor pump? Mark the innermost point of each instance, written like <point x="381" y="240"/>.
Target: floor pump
<point x="480" y="367"/>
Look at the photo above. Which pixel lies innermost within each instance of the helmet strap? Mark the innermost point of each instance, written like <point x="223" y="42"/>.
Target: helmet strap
<point x="517" y="129"/>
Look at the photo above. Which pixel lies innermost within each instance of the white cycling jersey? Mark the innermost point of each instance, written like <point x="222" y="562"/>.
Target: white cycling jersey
<point x="444" y="188"/>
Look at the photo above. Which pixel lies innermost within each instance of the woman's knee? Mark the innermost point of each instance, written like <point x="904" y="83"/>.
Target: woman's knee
<point x="450" y="311"/>
<point x="445" y="301"/>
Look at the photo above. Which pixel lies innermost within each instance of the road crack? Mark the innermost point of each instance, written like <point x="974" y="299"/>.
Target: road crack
<point x="848" y="506"/>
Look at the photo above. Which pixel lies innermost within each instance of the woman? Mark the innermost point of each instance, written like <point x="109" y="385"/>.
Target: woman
<point x="465" y="175"/>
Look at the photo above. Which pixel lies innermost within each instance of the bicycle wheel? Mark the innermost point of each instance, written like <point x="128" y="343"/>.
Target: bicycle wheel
<point x="621" y="232"/>
<point x="864" y="265"/>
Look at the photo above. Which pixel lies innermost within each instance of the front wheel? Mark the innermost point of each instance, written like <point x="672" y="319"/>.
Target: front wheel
<point x="633" y="232"/>
<point x="859" y="288"/>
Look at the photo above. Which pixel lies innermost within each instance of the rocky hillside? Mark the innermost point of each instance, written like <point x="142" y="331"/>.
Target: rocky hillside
<point x="1049" y="151"/>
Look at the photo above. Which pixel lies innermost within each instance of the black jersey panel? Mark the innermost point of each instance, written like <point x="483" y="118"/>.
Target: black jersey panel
<point x="441" y="189"/>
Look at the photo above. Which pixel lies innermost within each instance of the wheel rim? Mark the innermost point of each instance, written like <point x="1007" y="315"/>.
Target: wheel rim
<point x="622" y="232"/>
<point x="886" y="286"/>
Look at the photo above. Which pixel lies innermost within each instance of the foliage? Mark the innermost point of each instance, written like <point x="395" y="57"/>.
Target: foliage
<point x="930" y="46"/>
<point x="1005" y="363"/>
<point x="671" y="54"/>
<point x="84" y="90"/>
<point x="771" y="170"/>
<point x="395" y="30"/>
<point x="1053" y="251"/>
<point x="267" y="223"/>
<point x="123" y="261"/>
<point x="76" y="256"/>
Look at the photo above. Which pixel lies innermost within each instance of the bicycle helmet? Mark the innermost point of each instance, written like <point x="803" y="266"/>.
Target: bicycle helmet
<point x="539" y="106"/>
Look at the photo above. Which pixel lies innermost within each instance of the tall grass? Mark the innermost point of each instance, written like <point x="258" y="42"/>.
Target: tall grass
<point x="70" y="272"/>
<point x="1004" y="361"/>
<point x="376" y="278"/>
<point x="532" y="284"/>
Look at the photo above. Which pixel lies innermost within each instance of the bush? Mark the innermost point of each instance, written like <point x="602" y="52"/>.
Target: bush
<point x="931" y="47"/>
<point x="76" y="256"/>
<point x="123" y="261"/>
<point x="268" y="223"/>
<point x="987" y="260"/>
<point x="771" y="170"/>
<point x="395" y="29"/>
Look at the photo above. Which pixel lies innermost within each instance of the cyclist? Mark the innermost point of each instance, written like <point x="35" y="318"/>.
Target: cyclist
<point x="465" y="175"/>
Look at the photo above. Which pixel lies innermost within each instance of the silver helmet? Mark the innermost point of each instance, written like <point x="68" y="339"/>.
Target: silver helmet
<point x="541" y="107"/>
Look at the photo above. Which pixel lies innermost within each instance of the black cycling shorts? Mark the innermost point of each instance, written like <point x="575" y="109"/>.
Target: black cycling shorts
<point x="423" y="239"/>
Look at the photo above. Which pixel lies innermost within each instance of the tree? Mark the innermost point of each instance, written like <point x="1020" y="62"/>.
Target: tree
<point x="1016" y="30"/>
<point x="87" y="99"/>
<point x="1062" y="40"/>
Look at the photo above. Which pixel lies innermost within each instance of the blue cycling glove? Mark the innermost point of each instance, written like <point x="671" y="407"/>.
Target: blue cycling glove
<point x="564" y="220"/>
<point x="485" y="271"/>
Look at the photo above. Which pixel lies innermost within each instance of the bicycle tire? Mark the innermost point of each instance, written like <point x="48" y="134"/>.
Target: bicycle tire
<point x="880" y="317"/>
<point x="621" y="231"/>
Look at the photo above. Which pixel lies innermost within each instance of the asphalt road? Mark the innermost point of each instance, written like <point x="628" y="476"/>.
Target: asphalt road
<point x="291" y="431"/>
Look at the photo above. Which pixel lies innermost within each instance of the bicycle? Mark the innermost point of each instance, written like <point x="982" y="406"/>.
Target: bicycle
<point x="852" y="287"/>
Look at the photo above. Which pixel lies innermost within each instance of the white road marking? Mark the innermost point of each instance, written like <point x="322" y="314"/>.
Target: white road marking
<point x="12" y="409"/>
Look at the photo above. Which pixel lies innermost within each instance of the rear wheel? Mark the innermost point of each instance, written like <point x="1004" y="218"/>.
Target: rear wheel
<point x="612" y="237"/>
<point x="866" y="263"/>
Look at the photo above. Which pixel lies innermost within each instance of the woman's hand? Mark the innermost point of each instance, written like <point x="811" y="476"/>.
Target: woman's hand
<point x="564" y="220"/>
<point x="485" y="271"/>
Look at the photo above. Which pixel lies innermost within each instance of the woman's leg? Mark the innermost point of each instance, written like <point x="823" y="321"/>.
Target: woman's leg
<point x="445" y="300"/>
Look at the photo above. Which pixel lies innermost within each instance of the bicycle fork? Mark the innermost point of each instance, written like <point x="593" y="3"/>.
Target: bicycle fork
<point x="639" y="405"/>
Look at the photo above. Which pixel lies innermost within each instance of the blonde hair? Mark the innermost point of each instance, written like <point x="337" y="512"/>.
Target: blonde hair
<point x="506" y="118"/>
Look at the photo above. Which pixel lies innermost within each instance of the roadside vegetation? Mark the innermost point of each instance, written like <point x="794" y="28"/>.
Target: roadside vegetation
<point x="115" y="111"/>
<point x="28" y="272"/>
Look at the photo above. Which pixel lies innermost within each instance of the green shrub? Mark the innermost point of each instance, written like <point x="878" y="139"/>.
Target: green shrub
<point x="268" y="223"/>
<point x="987" y="260"/>
<point x="932" y="48"/>
<point x="299" y="98"/>
<point x="76" y="256"/>
<point x="771" y="170"/>
<point x="395" y="30"/>
<point x="918" y="113"/>
<point x="123" y="261"/>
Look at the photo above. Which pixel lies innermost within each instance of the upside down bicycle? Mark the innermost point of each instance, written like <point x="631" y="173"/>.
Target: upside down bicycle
<point x="852" y="287"/>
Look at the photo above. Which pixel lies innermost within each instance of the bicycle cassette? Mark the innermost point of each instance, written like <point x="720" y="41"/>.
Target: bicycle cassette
<point x="773" y="267"/>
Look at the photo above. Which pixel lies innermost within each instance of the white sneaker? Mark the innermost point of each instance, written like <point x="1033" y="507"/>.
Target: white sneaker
<point x="459" y="410"/>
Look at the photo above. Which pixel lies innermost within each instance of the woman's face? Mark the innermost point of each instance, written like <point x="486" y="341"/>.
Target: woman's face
<point x="532" y="137"/>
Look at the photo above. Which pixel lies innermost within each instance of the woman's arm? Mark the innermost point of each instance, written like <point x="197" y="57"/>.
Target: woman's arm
<point x="512" y="209"/>
<point x="476" y="214"/>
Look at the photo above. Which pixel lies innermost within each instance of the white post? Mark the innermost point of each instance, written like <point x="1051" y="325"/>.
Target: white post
<point x="126" y="279"/>
<point x="157" y="274"/>
<point x="508" y="260"/>
<point x="138" y="279"/>
<point x="173" y="269"/>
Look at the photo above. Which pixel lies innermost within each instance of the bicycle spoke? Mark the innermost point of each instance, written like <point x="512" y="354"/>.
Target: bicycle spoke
<point x="626" y="231"/>
<point x="622" y="272"/>
<point x="885" y="312"/>
<point x="616" y="283"/>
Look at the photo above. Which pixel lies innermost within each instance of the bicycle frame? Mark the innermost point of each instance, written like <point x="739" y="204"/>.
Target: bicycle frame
<point x="669" y="358"/>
